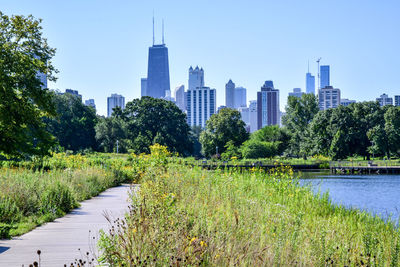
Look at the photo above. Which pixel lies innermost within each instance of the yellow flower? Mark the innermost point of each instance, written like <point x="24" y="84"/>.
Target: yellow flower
<point x="192" y="240"/>
<point x="203" y="244"/>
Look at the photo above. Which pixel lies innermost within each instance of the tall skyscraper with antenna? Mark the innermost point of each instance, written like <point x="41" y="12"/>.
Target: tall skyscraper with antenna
<point x="158" y="68"/>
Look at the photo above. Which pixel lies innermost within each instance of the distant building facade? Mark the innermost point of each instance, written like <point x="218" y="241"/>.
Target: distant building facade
<point x="325" y="76"/>
<point x="296" y="92"/>
<point x="345" y="102"/>
<point x="253" y="119"/>
<point x="384" y="100"/>
<point x="397" y="100"/>
<point x="230" y="94"/>
<point x="113" y="101"/>
<point x="143" y="87"/>
<point x="90" y="103"/>
<point x="310" y="83"/>
<point x="201" y="103"/>
<point x="328" y="97"/>
<point x="74" y="93"/>
<point x="240" y="97"/>
<point x="200" y="100"/>
<point x="268" y="105"/>
<point x="180" y="97"/>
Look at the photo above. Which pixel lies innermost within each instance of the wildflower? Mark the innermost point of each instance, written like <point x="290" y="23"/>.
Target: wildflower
<point x="192" y="240"/>
<point x="203" y="244"/>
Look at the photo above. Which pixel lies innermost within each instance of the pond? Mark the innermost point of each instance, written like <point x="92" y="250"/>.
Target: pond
<point x="377" y="194"/>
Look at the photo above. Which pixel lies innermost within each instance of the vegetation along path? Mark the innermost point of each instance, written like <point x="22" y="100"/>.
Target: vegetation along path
<point x="67" y="238"/>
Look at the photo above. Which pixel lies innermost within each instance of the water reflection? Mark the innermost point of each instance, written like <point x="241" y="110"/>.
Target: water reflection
<point x="377" y="194"/>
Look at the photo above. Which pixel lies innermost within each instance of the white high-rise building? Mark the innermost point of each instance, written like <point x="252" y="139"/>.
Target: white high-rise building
<point x="200" y="100"/>
<point x="113" y="101"/>
<point x="253" y="116"/>
<point x="196" y="78"/>
<point x="143" y="86"/>
<point x="328" y="97"/>
<point x="240" y="97"/>
<point x="385" y="100"/>
<point x="180" y="97"/>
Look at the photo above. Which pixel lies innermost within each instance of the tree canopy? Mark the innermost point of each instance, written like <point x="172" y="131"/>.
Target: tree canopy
<point x="74" y="125"/>
<point x="24" y="53"/>
<point x="225" y="126"/>
<point x="149" y="121"/>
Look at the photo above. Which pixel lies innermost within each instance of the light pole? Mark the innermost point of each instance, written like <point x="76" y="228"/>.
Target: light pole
<point x="216" y="150"/>
<point x="117" y="146"/>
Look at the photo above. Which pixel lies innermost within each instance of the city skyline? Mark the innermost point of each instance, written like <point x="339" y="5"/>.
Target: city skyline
<point x="97" y="60"/>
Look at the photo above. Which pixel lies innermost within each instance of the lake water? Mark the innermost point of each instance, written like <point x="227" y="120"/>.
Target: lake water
<point x="377" y="194"/>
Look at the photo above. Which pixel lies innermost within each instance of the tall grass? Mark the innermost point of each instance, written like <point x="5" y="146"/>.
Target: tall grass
<point x="189" y="216"/>
<point x="32" y="193"/>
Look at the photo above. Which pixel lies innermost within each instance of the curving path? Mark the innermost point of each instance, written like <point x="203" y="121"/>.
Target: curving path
<point x="60" y="241"/>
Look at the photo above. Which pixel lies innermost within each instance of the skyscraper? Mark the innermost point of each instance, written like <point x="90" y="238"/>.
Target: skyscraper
<point x="325" y="76"/>
<point x="385" y="100"/>
<point x="268" y="105"/>
<point x="180" y="97"/>
<point x="143" y="86"/>
<point x="196" y="78"/>
<point x="200" y="100"/>
<point x="240" y="97"/>
<point x="397" y="100"/>
<point x="253" y="116"/>
<point x="230" y="94"/>
<point x="90" y="103"/>
<point x="73" y="92"/>
<point x="158" y="69"/>
<point x="310" y="83"/>
<point x="296" y="92"/>
<point x="113" y="101"/>
<point x="328" y="97"/>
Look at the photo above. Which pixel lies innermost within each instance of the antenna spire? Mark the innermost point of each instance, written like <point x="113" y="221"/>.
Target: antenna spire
<point x="153" y="28"/>
<point x="162" y="31"/>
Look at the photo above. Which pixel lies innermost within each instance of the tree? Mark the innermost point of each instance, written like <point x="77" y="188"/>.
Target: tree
<point x="254" y="149"/>
<point x="151" y="121"/>
<point x="299" y="114"/>
<point x="225" y="126"/>
<point x="24" y="53"/>
<point x="74" y="125"/>
<point x="392" y="129"/>
<point x="109" y="131"/>
<point x="273" y="134"/>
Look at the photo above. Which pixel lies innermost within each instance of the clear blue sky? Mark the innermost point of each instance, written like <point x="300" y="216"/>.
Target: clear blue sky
<point x="102" y="46"/>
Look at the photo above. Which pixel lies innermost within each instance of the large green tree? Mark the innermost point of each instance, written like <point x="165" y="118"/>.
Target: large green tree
<point x="24" y="53"/>
<point x="74" y="125"/>
<point x="109" y="131"/>
<point x="299" y="114"/>
<point x="225" y="126"/>
<point x="151" y="121"/>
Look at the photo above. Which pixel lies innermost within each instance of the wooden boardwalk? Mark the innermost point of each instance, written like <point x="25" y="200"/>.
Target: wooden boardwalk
<point x="60" y="241"/>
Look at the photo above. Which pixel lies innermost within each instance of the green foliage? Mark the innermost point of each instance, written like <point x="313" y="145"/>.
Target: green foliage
<point x="225" y="126"/>
<point x="231" y="151"/>
<point x="24" y="54"/>
<point x="111" y="130"/>
<point x="29" y="197"/>
<point x="254" y="149"/>
<point x="150" y="121"/>
<point x="227" y="217"/>
<point x="74" y="125"/>
<point x="299" y="113"/>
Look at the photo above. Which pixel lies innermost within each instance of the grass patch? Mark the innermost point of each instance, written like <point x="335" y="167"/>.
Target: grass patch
<point x="189" y="216"/>
<point x="32" y="192"/>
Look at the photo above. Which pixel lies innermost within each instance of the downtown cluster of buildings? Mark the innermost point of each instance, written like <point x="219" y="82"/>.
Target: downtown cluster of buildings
<point x="199" y="100"/>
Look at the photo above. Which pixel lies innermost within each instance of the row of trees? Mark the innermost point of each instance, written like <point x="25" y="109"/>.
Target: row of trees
<point x="360" y="129"/>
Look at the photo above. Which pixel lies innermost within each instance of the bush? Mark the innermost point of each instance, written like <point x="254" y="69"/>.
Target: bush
<point x="258" y="149"/>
